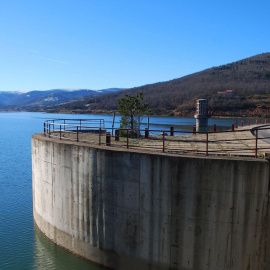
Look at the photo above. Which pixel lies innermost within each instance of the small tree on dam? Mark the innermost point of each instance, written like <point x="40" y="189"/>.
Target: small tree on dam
<point x="131" y="108"/>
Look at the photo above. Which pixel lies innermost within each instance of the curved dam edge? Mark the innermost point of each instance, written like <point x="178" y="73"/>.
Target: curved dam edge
<point x="127" y="209"/>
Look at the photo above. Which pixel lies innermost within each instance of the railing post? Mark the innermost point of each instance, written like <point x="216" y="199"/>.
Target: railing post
<point x="256" y="143"/>
<point x="194" y="129"/>
<point x="64" y="124"/>
<point x="242" y="123"/>
<point x="236" y="124"/>
<point x="60" y="131"/>
<point x="108" y="138"/>
<point x="127" y="139"/>
<point x="206" y="144"/>
<point x="163" y="141"/>
<point x="248" y="122"/>
<point x="77" y="133"/>
<point x="44" y="129"/>
<point x="171" y="131"/>
<point x="49" y="130"/>
<point x="146" y="134"/>
<point x="232" y="126"/>
<point x="215" y="128"/>
<point x="99" y="136"/>
<point x="117" y="135"/>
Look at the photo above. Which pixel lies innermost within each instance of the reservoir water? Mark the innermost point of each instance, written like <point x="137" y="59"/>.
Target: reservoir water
<point x="23" y="246"/>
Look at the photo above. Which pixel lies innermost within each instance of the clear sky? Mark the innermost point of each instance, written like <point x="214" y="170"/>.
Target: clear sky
<point x="99" y="44"/>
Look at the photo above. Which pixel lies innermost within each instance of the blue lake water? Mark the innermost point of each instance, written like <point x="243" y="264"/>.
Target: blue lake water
<point x="23" y="246"/>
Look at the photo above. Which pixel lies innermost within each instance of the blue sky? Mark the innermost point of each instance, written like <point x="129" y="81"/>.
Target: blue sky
<point x="99" y="44"/>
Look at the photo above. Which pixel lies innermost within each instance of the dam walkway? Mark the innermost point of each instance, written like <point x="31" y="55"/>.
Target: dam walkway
<point x="250" y="141"/>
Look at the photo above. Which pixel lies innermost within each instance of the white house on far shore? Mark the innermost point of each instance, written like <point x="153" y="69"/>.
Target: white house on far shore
<point x="226" y="94"/>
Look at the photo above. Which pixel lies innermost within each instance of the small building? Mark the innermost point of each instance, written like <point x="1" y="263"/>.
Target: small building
<point x="226" y="94"/>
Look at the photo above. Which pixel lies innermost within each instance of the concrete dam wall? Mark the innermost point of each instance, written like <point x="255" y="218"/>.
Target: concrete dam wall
<point x="137" y="210"/>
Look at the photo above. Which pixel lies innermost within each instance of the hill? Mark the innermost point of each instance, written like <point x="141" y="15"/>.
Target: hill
<point x="37" y="100"/>
<point x="249" y="78"/>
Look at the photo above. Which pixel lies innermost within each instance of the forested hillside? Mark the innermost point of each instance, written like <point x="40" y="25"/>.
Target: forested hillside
<point x="249" y="78"/>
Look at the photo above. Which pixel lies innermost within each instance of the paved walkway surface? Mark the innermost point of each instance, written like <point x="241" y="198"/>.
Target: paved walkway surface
<point x="241" y="142"/>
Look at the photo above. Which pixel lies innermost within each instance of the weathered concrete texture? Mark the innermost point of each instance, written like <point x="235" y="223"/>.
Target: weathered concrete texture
<point x="130" y="210"/>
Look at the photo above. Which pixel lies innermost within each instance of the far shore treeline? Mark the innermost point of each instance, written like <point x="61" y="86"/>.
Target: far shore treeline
<point x="248" y="78"/>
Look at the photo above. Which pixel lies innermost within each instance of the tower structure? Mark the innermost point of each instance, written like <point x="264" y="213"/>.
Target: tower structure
<point x="201" y="114"/>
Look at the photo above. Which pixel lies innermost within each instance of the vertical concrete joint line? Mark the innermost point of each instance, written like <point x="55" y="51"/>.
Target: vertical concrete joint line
<point x="140" y="223"/>
<point x="171" y="221"/>
<point x="267" y="217"/>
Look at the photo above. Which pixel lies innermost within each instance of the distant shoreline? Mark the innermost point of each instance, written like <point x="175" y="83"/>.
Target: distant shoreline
<point x="168" y="114"/>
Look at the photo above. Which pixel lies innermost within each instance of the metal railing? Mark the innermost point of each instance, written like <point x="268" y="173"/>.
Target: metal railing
<point x="251" y="142"/>
<point x="75" y="122"/>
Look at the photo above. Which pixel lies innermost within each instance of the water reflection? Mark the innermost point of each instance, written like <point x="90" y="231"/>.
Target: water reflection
<point x="47" y="255"/>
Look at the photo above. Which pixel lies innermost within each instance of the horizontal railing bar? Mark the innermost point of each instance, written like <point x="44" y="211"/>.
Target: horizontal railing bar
<point x="163" y="137"/>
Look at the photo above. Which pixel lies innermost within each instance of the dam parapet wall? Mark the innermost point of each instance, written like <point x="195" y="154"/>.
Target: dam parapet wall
<point x="128" y="209"/>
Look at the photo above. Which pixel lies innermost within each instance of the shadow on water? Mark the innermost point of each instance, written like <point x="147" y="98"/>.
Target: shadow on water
<point x="48" y="255"/>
